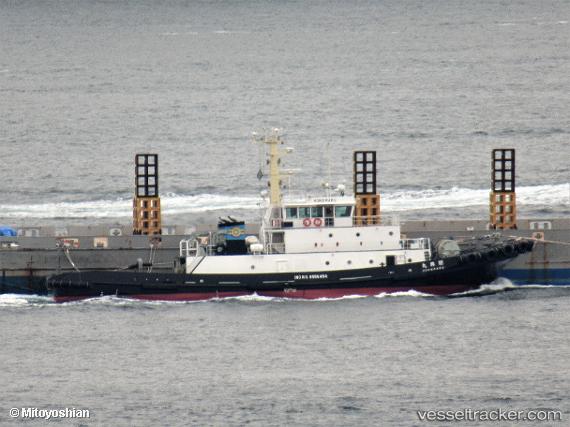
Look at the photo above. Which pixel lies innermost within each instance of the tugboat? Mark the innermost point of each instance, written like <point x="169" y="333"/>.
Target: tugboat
<point x="311" y="247"/>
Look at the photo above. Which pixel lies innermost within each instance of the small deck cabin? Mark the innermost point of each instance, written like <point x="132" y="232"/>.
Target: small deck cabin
<point x="328" y="224"/>
<point x="318" y="212"/>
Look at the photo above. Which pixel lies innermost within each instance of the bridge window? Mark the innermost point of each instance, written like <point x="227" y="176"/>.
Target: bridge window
<point x="304" y="212"/>
<point x="291" y="212"/>
<point x="342" y="211"/>
<point x="317" y="211"/>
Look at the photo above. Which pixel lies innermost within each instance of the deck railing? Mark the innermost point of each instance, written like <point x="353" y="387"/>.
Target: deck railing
<point x="357" y="221"/>
<point x="390" y="220"/>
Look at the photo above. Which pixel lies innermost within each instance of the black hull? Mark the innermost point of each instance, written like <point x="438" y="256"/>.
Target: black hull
<point x="440" y="277"/>
<point x="23" y="285"/>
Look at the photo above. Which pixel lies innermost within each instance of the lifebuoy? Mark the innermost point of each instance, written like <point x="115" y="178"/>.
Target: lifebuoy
<point x="307" y="222"/>
<point x="318" y="222"/>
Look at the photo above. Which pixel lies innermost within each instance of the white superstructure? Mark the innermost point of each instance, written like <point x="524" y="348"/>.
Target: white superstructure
<point x="311" y="234"/>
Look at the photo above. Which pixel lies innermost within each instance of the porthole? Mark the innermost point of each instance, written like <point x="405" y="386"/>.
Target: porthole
<point x="357" y="234"/>
<point x="316" y="244"/>
<point x="337" y="243"/>
<point x="391" y="233"/>
<point x="253" y="267"/>
<point x="409" y="260"/>
<point x="349" y="262"/>
<point x="327" y="263"/>
<point x="330" y="234"/>
<point x="360" y="243"/>
<point x="371" y="261"/>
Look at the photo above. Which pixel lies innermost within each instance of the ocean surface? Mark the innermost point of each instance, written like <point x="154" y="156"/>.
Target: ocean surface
<point x="270" y="362"/>
<point x="433" y="86"/>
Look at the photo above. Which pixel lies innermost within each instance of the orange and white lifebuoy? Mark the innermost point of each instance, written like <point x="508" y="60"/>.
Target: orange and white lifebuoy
<point x="318" y="222"/>
<point x="307" y="222"/>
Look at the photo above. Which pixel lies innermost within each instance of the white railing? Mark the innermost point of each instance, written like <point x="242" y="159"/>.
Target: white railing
<point x="275" y="248"/>
<point x="387" y="220"/>
<point x="189" y="248"/>
<point x="421" y="243"/>
<point x="272" y="223"/>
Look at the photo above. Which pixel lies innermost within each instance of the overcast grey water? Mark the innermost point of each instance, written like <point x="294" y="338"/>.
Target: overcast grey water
<point x="433" y="86"/>
<point x="259" y="361"/>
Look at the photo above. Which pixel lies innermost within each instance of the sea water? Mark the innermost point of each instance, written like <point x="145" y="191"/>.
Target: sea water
<point x="432" y="86"/>
<point x="267" y="361"/>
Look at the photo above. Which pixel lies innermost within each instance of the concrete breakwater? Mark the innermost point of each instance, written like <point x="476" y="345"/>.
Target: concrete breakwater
<point x="37" y="252"/>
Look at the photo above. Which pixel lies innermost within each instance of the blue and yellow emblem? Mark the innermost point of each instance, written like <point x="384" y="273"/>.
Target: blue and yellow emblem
<point x="235" y="232"/>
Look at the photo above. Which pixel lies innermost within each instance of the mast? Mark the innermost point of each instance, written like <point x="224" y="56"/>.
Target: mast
<point x="273" y="141"/>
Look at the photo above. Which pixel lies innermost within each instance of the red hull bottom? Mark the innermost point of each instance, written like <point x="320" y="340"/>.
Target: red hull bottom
<point x="300" y="294"/>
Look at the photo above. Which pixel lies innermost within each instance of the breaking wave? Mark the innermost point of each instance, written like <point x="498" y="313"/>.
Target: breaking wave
<point x="411" y="293"/>
<point x="541" y="195"/>
<point x="27" y="301"/>
<point x="172" y="204"/>
<point x="247" y="298"/>
<point x="501" y="284"/>
<point x="17" y="300"/>
<point x="324" y="299"/>
<point x="120" y="208"/>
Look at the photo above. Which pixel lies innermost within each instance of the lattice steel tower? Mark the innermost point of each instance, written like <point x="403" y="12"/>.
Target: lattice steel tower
<point x="146" y="204"/>
<point x="367" y="210"/>
<point x="503" y="206"/>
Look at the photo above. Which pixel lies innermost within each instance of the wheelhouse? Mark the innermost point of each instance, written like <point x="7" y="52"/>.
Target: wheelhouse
<point x="318" y="212"/>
